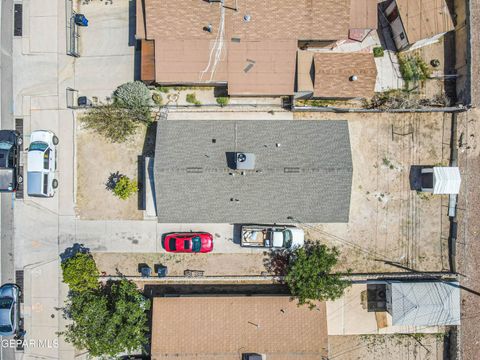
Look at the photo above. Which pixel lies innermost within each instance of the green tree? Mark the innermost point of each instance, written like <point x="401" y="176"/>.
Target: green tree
<point x="112" y="121"/>
<point x="309" y="275"/>
<point x="108" y="321"/>
<point x="80" y="273"/>
<point x="125" y="187"/>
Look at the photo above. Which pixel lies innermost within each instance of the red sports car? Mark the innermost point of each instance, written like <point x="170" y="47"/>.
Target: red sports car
<point x="188" y="242"/>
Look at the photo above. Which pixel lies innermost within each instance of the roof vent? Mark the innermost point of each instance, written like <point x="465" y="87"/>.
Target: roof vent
<point x="247" y="18"/>
<point x="353" y="78"/>
<point x="208" y="28"/>
<point x="245" y="161"/>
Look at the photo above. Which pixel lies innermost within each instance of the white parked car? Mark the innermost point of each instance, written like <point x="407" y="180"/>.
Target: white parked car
<point x="42" y="164"/>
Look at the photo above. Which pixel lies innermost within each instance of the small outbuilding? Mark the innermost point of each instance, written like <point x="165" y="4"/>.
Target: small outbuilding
<point x="424" y="303"/>
<point x="441" y="180"/>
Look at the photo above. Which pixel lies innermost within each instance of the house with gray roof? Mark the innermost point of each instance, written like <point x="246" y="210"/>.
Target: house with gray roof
<point x="249" y="171"/>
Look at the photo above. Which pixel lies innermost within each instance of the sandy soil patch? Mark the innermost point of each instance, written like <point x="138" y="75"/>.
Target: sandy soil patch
<point x="97" y="158"/>
<point x="390" y="222"/>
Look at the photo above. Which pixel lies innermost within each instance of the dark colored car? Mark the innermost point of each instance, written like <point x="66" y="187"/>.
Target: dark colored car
<point x="191" y="242"/>
<point x="10" y="142"/>
<point x="9" y="310"/>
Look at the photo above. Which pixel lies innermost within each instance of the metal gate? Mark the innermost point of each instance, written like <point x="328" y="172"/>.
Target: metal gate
<point x="72" y="30"/>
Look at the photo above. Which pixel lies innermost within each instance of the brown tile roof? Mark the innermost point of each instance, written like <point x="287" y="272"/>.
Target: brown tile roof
<point x="334" y="70"/>
<point x="363" y="14"/>
<point x="424" y="19"/>
<point x="185" y="53"/>
<point x="222" y="328"/>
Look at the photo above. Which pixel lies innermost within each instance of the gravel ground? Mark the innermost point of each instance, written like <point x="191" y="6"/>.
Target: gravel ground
<point x="468" y="242"/>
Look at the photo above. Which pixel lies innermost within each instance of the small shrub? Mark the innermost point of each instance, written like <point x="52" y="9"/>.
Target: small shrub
<point x="125" y="187"/>
<point x="413" y="68"/>
<point x="157" y="99"/>
<point x="163" y="89"/>
<point x="223" y="100"/>
<point x="133" y="94"/>
<point x="192" y="99"/>
<point x="378" y="51"/>
<point x="80" y="273"/>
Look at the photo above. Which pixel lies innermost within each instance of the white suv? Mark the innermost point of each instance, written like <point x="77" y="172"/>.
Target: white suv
<point x="42" y="164"/>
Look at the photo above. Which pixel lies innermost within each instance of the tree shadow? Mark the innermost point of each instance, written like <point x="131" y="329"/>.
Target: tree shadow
<point x="73" y="250"/>
<point x="276" y="261"/>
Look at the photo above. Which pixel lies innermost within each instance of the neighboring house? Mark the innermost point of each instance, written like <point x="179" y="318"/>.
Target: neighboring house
<point x="426" y="303"/>
<point x="293" y="171"/>
<point x="363" y="18"/>
<point x="335" y="75"/>
<point x="229" y="327"/>
<point x="249" y="45"/>
<point x="417" y="23"/>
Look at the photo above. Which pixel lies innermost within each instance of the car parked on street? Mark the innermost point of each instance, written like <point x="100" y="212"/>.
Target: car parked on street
<point x="10" y="142"/>
<point x="190" y="242"/>
<point x="42" y="164"/>
<point x="9" y="310"/>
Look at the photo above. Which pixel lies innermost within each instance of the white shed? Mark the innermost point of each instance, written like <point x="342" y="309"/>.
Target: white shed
<point x="441" y="180"/>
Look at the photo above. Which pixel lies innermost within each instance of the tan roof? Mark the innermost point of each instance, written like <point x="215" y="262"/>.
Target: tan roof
<point x="424" y="19"/>
<point x="222" y="328"/>
<point x="304" y="71"/>
<point x="185" y="53"/>
<point x="363" y="14"/>
<point x="333" y="72"/>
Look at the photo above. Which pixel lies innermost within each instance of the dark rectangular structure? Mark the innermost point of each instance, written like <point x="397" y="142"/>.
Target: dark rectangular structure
<point x="302" y="173"/>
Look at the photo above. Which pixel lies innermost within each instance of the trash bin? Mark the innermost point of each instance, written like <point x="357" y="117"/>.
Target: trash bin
<point x="162" y="271"/>
<point x="83" y="101"/>
<point x="81" y="20"/>
<point x="145" y="271"/>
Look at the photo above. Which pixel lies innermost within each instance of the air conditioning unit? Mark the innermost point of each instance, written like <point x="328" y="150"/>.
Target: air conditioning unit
<point x="244" y="161"/>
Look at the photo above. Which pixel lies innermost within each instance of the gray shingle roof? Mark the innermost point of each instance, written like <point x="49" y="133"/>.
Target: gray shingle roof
<point x="307" y="177"/>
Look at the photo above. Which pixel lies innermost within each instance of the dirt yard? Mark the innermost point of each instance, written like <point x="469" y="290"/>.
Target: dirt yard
<point x="97" y="159"/>
<point x="391" y="347"/>
<point x="468" y="241"/>
<point x="390" y="222"/>
<point x="211" y="264"/>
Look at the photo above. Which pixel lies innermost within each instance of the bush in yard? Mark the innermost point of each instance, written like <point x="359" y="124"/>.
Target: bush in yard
<point x="309" y="276"/>
<point x="223" y="100"/>
<point x="133" y="94"/>
<point x="136" y="98"/>
<point x="378" y="51"/>
<point x="110" y="120"/>
<point x="80" y="273"/>
<point x="157" y="99"/>
<point x="107" y="321"/>
<point x="192" y="99"/>
<point x="125" y="187"/>
<point x="413" y="68"/>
